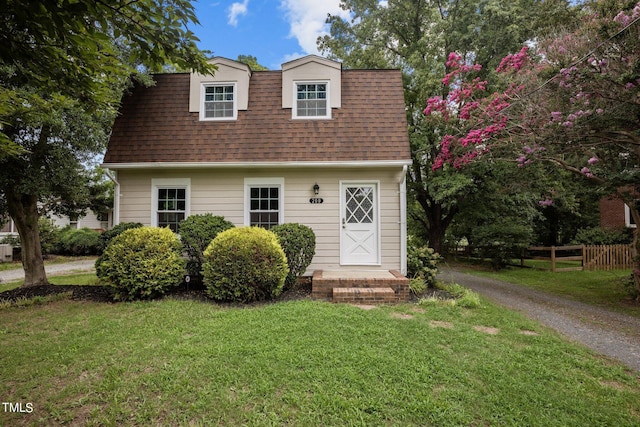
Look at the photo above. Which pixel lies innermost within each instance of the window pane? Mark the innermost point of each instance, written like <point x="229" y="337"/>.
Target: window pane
<point x="219" y="101"/>
<point x="273" y="192"/>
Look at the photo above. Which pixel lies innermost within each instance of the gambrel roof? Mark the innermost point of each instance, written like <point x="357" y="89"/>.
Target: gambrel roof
<point x="155" y="126"/>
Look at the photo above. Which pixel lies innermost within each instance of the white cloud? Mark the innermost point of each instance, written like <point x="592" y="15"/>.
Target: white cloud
<point x="307" y="20"/>
<point x="237" y="9"/>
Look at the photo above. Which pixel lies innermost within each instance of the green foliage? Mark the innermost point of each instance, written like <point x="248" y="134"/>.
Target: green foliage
<point x="417" y="36"/>
<point x="459" y="297"/>
<point x="107" y="236"/>
<point x="501" y="242"/>
<point x="142" y="263"/>
<point x="299" y="244"/>
<point x="417" y="285"/>
<point x="50" y="235"/>
<point x="464" y="296"/>
<point x="252" y="62"/>
<point x="77" y="242"/>
<point x="244" y="265"/>
<point x="602" y="236"/>
<point x="196" y="233"/>
<point x="64" y="66"/>
<point x="422" y="262"/>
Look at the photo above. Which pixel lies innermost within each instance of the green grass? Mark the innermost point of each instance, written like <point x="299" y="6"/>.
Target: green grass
<point x="602" y="288"/>
<point x="306" y="363"/>
<point x="81" y="278"/>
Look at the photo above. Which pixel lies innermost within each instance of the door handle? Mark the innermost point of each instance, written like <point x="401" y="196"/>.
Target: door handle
<point x="344" y="223"/>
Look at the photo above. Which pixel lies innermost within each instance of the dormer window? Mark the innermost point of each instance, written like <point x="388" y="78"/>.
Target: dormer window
<point x="312" y="100"/>
<point x="219" y="102"/>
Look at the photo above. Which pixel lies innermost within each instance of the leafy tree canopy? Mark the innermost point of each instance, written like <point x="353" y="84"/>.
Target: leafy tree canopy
<point x="63" y="67"/>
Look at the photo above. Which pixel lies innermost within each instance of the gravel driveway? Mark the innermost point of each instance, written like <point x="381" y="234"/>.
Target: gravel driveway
<point x="612" y="334"/>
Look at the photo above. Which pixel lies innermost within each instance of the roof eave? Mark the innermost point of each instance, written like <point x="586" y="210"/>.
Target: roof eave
<point x="221" y="165"/>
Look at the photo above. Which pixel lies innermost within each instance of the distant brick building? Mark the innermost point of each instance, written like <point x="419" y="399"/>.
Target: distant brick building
<point x="614" y="214"/>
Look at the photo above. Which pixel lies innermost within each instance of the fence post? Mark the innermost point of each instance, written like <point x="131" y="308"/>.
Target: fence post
<point x="553" y="259"/>
<point x="584" y="254"/>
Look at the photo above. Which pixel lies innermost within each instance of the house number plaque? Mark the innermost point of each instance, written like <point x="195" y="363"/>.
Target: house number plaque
<point x="316" y="200"/>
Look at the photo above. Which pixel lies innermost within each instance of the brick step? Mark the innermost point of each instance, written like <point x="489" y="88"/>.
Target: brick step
<point x="376" y="295"/>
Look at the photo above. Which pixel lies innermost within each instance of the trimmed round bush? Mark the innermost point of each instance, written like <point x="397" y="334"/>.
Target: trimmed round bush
<point x="196" y="233"/>
<point x="244" y="265"/>
<point x="77" y="242"/>
<point x="299" y="244"/>
<point x="142" y="263"/>
<point x="107" y="236"/>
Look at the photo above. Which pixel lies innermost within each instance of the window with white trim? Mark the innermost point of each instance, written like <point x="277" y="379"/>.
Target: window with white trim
<point x="628" y="218"/>
<point x="219" y="102"/>
<point x="264" y="201"/>
<point x="170" y="202"/>
<point x="312" y="100"/>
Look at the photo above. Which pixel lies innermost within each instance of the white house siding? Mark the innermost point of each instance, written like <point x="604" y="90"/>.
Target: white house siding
<point x="221" y="192"/>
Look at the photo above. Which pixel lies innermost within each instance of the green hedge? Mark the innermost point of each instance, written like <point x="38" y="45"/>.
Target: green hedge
<point x="299" y="244"/>
<point x="196" y="233"/>
<point x="142" y="263"/>
<point x="244" y="265"/>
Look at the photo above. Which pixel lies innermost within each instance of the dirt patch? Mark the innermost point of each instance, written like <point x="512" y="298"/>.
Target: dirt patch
<point x="401" y="316"/>
<point x="441" y="324"/>
<point x="529" y="333"/>
<point x="418" y="310"/>
<point x="487" y="330"/>
<point x="365" y="306"/>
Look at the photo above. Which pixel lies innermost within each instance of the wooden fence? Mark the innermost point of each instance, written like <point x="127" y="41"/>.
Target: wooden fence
<point x="608" y="257"/>
<point x="593" y="257"/>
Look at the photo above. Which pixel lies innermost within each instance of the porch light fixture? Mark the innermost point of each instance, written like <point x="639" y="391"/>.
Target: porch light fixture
<point x="316" y="188"/>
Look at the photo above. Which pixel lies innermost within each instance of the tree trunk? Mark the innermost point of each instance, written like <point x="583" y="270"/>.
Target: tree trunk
<point x="23" y="209"/>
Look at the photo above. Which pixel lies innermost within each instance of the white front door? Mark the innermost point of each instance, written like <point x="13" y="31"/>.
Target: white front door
<point x="359" y="243"/>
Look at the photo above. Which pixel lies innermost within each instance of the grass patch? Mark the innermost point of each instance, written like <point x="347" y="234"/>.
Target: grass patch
<point x="176" y="362"/>
<point x="602" y="288"/>
<point x="80" y="278"/>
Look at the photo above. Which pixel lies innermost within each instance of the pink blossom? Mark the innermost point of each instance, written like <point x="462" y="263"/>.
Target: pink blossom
<point x="567" y="124"/>
<point x="599" y="111"/>
<point x="593" y="160"/>
<point x="546" y="202"/>
<point x="629" y="86"/>
<point x="586" y="172"/>
<point x="556" y="116"/>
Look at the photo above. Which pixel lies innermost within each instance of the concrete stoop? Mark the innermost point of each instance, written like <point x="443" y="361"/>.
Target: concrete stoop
<point x="365" y="287"/>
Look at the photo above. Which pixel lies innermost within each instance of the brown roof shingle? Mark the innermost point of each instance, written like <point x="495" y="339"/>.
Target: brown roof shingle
<point x="155" y="125"/>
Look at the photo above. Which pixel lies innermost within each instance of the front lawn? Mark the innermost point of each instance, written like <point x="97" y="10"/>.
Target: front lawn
<point x="182" y="362"/>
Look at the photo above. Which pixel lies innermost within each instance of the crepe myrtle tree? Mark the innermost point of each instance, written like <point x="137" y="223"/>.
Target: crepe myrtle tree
<point x="63" y="68"/>
<point x="572" y="100"/>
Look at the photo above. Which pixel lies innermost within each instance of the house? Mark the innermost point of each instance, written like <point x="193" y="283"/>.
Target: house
<point x="614" y="213"/>
<point x="310" y="143"/>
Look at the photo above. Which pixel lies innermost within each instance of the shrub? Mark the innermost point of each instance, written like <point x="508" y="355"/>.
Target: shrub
<point x="602" y="236"/>
<point x="417" y="285"/>
<point x="82" y="241"/>
<point x="107" y="236"/>
<point x="299" y="244"/>
<point x="244" y="264"/>
<point x="49" y="237"/>
<point x="196" y="233"/>
<point x="422" y="262"/>
<point x="142" y="263"/>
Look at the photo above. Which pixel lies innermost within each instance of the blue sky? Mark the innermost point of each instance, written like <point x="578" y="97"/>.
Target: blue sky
<point x="274" y="31"/>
